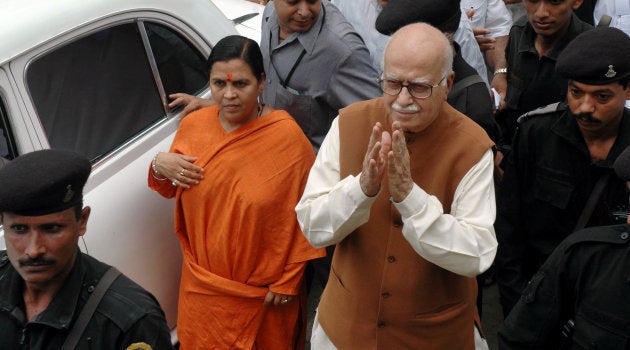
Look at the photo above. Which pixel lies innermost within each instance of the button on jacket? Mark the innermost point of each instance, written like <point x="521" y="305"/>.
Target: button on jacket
<point x="126" y="315"/>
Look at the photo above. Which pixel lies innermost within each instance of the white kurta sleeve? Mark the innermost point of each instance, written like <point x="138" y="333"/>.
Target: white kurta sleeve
<point x="331" y="208"/>
<point x="464" y="241"/>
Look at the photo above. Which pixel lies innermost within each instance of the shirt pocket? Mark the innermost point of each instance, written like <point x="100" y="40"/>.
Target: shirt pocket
<point x="595" y="329"/>
<point x="481" y="8"/>
<point x="299" y="106"/>
<point x="514" y="91"/>
<point x="553" y="187"/>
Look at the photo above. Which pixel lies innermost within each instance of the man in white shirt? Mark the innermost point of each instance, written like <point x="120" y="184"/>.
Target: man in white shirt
<point x="403" y="186"/>
<point x="491" y="22"/>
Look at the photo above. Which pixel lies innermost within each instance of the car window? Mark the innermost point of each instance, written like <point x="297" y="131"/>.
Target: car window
<point x="7" y="148"/>
<point x="96" y="93"/>
<point x="182" y="67"/>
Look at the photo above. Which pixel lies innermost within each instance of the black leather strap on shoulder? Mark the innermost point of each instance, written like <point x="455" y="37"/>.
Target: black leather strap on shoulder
<point x="88" y="310"/>
<point x="464" y="83"/>
<point x="598" y="189"/>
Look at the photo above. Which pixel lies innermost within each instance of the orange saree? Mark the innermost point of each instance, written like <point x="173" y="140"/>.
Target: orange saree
<point x="239" y="233"/>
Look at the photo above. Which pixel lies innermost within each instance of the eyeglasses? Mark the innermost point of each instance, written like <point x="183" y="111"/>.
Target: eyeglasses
<point x="417" y="90"/>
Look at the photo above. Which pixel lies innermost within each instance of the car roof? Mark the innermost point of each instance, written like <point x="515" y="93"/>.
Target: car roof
<point x="25" y="24"/>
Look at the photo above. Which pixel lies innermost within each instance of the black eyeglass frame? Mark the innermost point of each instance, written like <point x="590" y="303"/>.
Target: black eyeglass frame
<point x="392" y="93"/>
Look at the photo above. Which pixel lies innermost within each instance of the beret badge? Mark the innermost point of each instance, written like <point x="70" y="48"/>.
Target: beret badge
<point x="611" y="72"/>
<point x="69" y="194"/>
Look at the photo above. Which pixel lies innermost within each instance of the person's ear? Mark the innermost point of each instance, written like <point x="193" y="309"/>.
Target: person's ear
<point x="576" y="4"/>
<point x="261" y="85"/>
<point x="449" y="84"/>
<point x="83" y="220"/>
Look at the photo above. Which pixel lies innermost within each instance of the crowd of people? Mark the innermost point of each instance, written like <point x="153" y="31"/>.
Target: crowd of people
<point x="387" y="152"/>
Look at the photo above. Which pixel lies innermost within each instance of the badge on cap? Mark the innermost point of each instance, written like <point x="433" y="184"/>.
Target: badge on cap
<point x="611" y="72"/>
<point x="69" y="194"/>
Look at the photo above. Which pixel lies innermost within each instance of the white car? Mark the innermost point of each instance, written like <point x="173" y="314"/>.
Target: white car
<point x="94" y="76"/>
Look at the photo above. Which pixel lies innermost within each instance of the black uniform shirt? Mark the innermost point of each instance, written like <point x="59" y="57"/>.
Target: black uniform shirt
<point x="585" y="280"/>
<point x="548" y="179"/>
<point x="126" y="315"/>
<point x="532" y="80"/>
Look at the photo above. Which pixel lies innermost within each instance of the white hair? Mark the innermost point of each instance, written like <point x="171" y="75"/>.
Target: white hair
<point x="447" y="64"/>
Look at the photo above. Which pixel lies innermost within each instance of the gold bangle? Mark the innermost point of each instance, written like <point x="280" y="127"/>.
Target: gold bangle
<point x="154" y="171"/>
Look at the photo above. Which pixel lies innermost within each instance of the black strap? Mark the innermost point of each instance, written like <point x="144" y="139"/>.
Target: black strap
<point x="464" y="83"/>
<point x="285" y="82"/>
<point x="88" y="310"/>
<point x="592" y="201"/>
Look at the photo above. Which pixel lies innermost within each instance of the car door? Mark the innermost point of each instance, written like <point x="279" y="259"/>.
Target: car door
<point x="101" y="90"/>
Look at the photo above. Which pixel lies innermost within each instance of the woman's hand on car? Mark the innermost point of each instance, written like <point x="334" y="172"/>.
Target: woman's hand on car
<point x="191" y="103"/>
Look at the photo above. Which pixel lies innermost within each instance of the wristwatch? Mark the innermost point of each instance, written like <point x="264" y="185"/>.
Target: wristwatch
<point x="500" y="71"/>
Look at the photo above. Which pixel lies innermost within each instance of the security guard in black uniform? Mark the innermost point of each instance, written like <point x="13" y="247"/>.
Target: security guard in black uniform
<point x="560" y="154"/>
<point x="579" y="298"/>
<point x="52" y="296"/>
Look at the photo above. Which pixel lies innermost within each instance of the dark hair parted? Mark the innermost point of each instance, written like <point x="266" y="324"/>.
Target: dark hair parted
<point x="238" y="47"/>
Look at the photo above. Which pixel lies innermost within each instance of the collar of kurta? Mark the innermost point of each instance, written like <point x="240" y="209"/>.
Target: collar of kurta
<point x="576" y="26"/>
<point x="306" y="39"/>
<point x="60" y="311"/>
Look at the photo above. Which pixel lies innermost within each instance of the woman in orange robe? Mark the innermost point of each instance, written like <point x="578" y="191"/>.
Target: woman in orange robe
<point x="237" y="169"/>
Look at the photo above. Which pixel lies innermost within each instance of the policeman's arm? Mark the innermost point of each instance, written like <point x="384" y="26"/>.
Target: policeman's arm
<point x="510" y="233"/>
<point x="537" y="319"/>
<point x="149" y="332"/>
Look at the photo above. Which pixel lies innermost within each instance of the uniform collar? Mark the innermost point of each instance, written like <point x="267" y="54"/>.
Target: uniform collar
<point x="576" y="26"/>
<point x="11" y="286"/>
<point x="567" y="128"/>
<point x="59" y="313"/>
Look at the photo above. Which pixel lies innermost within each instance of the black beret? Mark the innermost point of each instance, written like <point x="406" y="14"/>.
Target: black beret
<point x="596" y="57"/>
<point x="442" y="14"/>
<point x="43" y="182"/>
<point x="622" y="165"/>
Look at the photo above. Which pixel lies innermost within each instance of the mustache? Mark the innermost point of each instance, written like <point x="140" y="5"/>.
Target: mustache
<point x="38" y="261"/>
<point x="587" y="117"/>
<point x="398" y="108"/>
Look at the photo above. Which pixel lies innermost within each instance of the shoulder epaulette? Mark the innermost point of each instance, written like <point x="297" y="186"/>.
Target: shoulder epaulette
<point x="616" y="234"/>
<point x="551" y="108"/>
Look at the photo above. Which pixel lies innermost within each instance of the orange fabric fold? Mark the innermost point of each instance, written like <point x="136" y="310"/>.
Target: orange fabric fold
<point x="239" y="233"/>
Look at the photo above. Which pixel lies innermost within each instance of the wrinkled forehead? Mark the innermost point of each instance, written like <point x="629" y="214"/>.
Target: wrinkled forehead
<point x="412" y="68"/>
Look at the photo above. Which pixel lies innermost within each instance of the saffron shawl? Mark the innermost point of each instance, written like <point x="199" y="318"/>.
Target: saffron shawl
<point x="239" y="233"/>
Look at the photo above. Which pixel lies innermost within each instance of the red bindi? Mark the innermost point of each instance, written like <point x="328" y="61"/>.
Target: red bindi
<point x="229" y="77"/>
